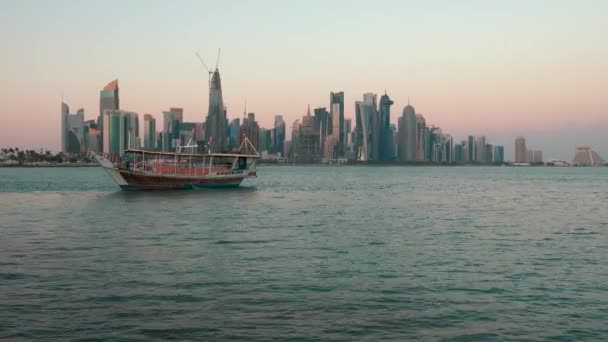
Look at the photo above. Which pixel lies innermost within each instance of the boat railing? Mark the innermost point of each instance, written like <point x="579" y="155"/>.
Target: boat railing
<point x="181" y="169"/>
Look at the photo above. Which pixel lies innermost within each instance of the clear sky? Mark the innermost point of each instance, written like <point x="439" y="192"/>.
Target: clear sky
<point x="494" y="68"/>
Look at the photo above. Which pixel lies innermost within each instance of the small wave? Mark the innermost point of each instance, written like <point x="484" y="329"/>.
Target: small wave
<point x="235" y="242"/>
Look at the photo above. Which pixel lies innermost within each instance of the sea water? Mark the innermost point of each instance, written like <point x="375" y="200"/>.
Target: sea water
<point x="308" y="253"/>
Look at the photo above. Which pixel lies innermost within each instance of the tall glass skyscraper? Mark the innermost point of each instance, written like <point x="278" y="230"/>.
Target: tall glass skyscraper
<point x="108" y="100"/>
<point x="337" y="98"/>
<point x="385" y="134"/>
<point x="149" y="132"/>
<point x="499" y="154"/>
<point x="121" y="131"/>
<point x="279" y="134"/>
<point x="471" y="148"/>
<point x="407" y="135"/>
<point x="215" y="124"/>
<point x="72" y="130"/>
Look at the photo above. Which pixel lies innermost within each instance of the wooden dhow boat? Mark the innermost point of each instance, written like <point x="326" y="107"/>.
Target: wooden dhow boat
<point x="151" y="170"/>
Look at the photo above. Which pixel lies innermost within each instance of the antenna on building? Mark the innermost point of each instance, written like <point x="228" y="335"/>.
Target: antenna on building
<point x="217" y="63"/>
<point x="245" y="109"/>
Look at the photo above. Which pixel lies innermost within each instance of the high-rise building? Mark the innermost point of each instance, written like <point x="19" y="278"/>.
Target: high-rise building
<point x="336" y="106"/>
<point x="421" y="132"/>
<point x="520" y="150"/>
<point x="149" y="132"/>
<point x="265" y="141"/>
<point x="172" y="120"/>
<point x="499" y="154"/>
<point x="234" y="127"/>
<point x="480" y="149"/>
<point x="108" y="100"/>
<point x="121" y="131"/>
<point x="407" y="135"/>
<point x="489" y="153"/>
<point x="471" y="148"/>
<point x="322" y="125"/>
<point x="447" y="149"/>
<point x="279" y="134"/>
<point x="537" y="156"/>
<point x="72" y="130"/>
<point x="250" y="129"/>
<point x="348" y="123"/>
<point x="216" y="123"/>
<point x="458" y="153"/>
<point x="529" y="156"/>
<point x="384" y="132"/>
<point x="92" y="136"/>
<point x="332" y="147"/>
<point x="65" y="112"/>
<point x="365" y="112"/>
<point x="305" y="141"/>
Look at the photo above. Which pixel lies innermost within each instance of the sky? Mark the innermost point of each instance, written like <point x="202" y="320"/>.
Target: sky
<point x="496" y="68"/>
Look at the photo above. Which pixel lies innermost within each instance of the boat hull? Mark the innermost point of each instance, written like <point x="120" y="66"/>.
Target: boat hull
<point x="136" y="181"/>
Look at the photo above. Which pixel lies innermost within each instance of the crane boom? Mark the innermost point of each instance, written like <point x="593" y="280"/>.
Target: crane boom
<point x="201" y="59"/>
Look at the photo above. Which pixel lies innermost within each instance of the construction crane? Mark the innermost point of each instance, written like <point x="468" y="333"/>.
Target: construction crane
<point x="206" y="68"/>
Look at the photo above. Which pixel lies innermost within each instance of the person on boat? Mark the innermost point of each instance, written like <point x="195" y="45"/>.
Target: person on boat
<point x="128" y="161"/>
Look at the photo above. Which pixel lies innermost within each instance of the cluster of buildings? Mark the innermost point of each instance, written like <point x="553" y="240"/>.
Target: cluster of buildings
<point x="321" y="136"/>
<point x="524" y="155"/>
<point x="116" y="129"/>
<point x="326" y="136"/>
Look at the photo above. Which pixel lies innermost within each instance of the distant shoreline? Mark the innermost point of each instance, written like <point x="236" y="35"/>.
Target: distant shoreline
<point x="48" y="165"/>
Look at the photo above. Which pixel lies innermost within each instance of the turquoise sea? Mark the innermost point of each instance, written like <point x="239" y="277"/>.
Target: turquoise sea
<point x="308" y="254"/>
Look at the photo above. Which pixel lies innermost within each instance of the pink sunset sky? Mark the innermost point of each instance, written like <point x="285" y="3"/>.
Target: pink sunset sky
<point x="499" y="69"/>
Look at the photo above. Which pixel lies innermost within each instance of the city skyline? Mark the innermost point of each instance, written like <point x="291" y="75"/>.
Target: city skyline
<point x="545" y="84"/>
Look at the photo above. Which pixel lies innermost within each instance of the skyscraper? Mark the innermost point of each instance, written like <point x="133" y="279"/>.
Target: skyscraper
<point x="471" y="148"/>
<point x="172" y="120"/>
<point x="332" y="142"/>
<point x="149" y="132"/>
<point x="421" y="132"/>
<point x="480" y="149"/>
<point x="407" y="135"/>
<point x="279" y="134"/>
<point x="537" y="156"/>
<point x="305" y="140"/>
<point x="489" y="154"/>
<point x="499" y="154"/>
<point x="365" y="112"/>
<point x="65" y="112"/>
<point x="520" y="150"/>
<point x="347" y="136"/>
<point x="72" y="130"/>
<point x="234" y="127"/>
<point x="121" y="131"/>
<point x="250" y="129"/>
<point x="458" y="153"/>
<point x="384" y="132"/>
<point x="337" y="98"/>
<point x="321" y="121"/>
<point x="215" y="124"/>
<point x="108" y="100"/>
